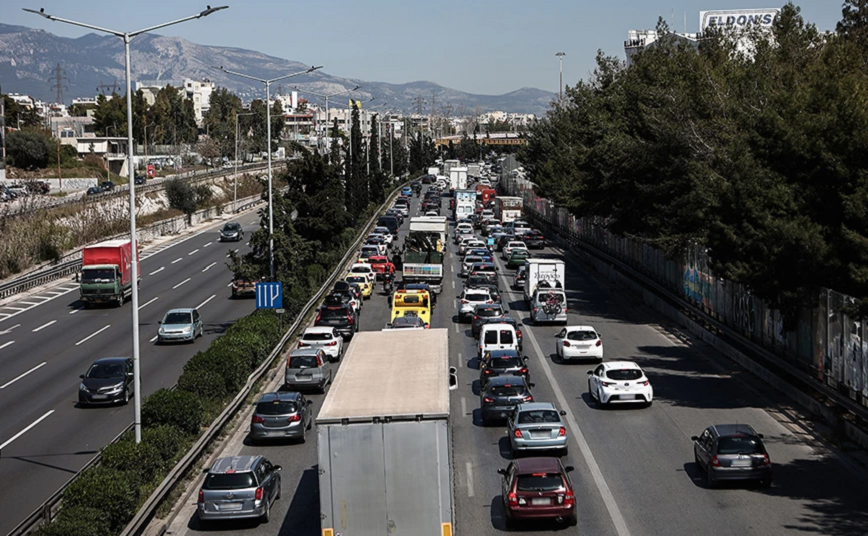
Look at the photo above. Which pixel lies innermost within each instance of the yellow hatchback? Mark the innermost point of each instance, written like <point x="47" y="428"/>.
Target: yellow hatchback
<point x="363" y="282"/>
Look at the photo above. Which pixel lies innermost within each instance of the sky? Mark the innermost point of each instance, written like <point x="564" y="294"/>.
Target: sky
<point x="478" y="46"/>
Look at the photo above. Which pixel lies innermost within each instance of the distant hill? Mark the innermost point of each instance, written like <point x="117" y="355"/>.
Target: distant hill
<point x="29" y="57"/>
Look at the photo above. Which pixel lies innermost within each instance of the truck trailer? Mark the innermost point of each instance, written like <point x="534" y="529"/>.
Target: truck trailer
<point x="106" y="272"/>
<point x="550" y="271"/>
<point x="385" y="453"/>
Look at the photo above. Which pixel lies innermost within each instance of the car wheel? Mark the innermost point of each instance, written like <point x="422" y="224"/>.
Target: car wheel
<point x="709" y="479"/>
<point x="591" y="392"/>
<point x="508" y="521"/>
<point x="303" y="435"/>
<point x="266" y="515"/>
<point x="564" y="452"/>
<point x="279" y="492"/>
<point x="126" y="397"/>
<point x="573" y="521"/>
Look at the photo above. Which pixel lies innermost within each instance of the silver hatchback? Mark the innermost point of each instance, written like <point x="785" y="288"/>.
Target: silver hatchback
<point x="239" y="487"/>
<point x="549" y="305"/>
<point x="537" y="426"/>
<point x="281" y="415"/>
<point x="308" y="368"/>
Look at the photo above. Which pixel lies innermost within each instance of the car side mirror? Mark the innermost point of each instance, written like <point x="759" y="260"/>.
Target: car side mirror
<point x="694" y="438"/>
<point x="531" y="385"/>
<point x="501" y="472"/>
<point x="569" y="468"/>
<point x="309" y="402"/>
<point x="206" y="470"/>
<point x="159" y="321"/>
<point x="506" y="311"/>
<point x="278" y="468"/>
<point x="590" y="372"/>
<point x="81" y="376"/>
<point x="525" y="358"/>
<point x="563" y="413"/>
<point x="453" y="378"/>
<point x="760" y="436"/>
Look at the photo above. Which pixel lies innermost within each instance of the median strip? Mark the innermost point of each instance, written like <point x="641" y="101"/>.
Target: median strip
<point x="92" y="335"/>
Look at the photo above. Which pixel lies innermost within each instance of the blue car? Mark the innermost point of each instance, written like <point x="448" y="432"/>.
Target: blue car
<point x="406" y="190"/>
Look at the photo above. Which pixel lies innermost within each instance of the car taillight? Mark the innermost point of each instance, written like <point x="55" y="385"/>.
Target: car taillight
<point x="535" y="309"/>
<point x="569" y="498"/>
<point x="523" y="370"/>
<point x="599" y="342"/>
<point x="300" y="344"/>
<point x="350" y="319"/>
<point x="258" y="494"/>
<point x="488" y="400"/>
<point x="488" y="371"/>
<point x="463" y="301"/>
<point x="517" y="433"/>
<point x="644" y="383"/>
<point x="294" y="418"/>
<point x="606" y="384"/>
<point x="766" y="460"/>
<point x="518" y="333"/>
<point x="513" y="498"/>
<point x="258" y="420"/>
<point x="201" y="497"/>
<point x="333" y="343"/>
<point x="528" y="398"/>
<point x="715" y="462"/>
<point x="566" y="344"/>
<point x="562" y="432"/>
<point x="475" y="318"/>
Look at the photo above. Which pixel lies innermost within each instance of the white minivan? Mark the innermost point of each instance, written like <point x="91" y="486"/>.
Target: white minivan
<point x="496" y="337"/>
<point x="549" y="305"/>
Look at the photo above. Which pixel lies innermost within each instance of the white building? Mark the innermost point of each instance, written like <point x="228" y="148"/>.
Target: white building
<point x="200" y="93"/>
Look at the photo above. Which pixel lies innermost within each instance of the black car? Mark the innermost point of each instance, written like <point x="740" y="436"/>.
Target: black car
<point x="140" y="179"/>
<point x="732" y="452"/>
<point x="95" y="190"/>
<point x="501" y="395"/>
<point x="389" y="221"/>
<point x="504" y="320"/>
<point x="477" y="280"/>
<point x="353" y="289"/>
<point x="108" y="381"/>
<point x="428" y="179"/>
<point x="232" y="231"/>
<point x="341" y="316"/>
<point x="502" y="239"/>
<point x="495" y="367"/>
<point x="484" y="312"/>
<point x="107" y="186"/>
<point x="534" y="240"/>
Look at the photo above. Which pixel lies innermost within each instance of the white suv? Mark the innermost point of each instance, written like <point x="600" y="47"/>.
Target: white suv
<point x="323" y="338"/>
<point x="469" y="299"/>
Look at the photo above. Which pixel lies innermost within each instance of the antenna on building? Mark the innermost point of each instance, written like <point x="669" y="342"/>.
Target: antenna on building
<point x="58" y="85"/>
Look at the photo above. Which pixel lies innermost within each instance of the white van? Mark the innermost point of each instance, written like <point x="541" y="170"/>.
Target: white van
<point x="496" y="337"/>
<point x="549" y="305"/>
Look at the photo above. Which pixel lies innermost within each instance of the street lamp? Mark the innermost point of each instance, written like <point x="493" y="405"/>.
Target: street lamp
<point x="268" y="130"/>
<point x="134" y="291"/>
<point x="235" y="196"/>
<point x="327" y="96"/>
<point x="560" y="56"/>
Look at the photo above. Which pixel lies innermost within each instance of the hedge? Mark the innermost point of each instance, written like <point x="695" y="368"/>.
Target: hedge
<point x="176" y="408"/>
<point x="78" y="521"/>
<point x="113" y="491"/>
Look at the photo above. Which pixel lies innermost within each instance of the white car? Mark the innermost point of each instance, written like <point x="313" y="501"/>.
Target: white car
<point x="325" y="338"/>
<point x="511" y="245"/>
<point x="473" y="243"/>
<point x="366" y="269"/>
<point x="384" y="233"/>
<point x="619" y="382"/>
<point x="469" y="299"/>
<point x="467" y="264"/>
<point x="579" y="342"/>
<point x="432" y="213"/>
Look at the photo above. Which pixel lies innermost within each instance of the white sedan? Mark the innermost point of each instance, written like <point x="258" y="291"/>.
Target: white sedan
<point x="579" y="342"/>
<point x="379" y="232"/>
<point x="619" y="382"/>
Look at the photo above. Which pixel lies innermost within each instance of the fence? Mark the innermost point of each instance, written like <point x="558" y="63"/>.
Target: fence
<point x="826" y="344"/>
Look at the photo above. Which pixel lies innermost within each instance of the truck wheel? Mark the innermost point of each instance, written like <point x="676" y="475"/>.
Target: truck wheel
<point x="121" y="300"/>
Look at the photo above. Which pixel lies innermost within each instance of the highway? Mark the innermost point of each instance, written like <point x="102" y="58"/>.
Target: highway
<point x="634" y="471"/>
<point x="47" y="339"/>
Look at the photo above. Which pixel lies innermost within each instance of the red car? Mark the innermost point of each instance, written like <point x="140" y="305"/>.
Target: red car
<point x="381" y="264"/>
<point x="537" y="489"/>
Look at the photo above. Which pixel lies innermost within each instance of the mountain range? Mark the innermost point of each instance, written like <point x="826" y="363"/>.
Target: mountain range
<point x="29" y="60"/>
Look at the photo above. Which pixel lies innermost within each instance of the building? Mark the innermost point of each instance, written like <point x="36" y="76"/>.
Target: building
<point x="150" y="88"/>
<point x="69" y="129"/>
<point x="638" y="40"/>
<point x="200" y="93"/>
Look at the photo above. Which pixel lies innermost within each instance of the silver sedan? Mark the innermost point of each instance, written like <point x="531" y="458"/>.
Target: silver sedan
<point x="537" y="426"/>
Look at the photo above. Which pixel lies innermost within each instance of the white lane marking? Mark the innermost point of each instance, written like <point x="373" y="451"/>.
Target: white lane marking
<point x="94" y="334"/>
<point x="181" y="283"/>
<point x="576" y="432"/>
<point x="469" y="479"/>
<point x="208" y="244"/>
<point x="206" y="301"/>
<point x="7" y="344"/>
<point x="456" y="327"/>
<point x="192" y="252"/>
<point x="19" y="309"/>
<point x="22" y="432"/>
<point x="254" y="222"/>
<point x="463" y="406"/>
<point x="179" y="259"/>
<point x="209" y="266"/>
<point x="153" y="338"/>
<point x="158" y="271"/>
<point x="7" y="384"/>
<point x="149" y="303"/>
<point x="230" y="284"/>
<point x="453" y="283"/>
<point x="29" y="303"/>
<point x="76" y="310"/>
<point x="6" y="331"/>
<point x="460" y="360"/>
<point x="43" y="326"/>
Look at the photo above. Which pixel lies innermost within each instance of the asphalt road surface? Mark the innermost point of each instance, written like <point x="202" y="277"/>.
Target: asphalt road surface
<point x="634" y="471"/>
<point x="47" y="339"/>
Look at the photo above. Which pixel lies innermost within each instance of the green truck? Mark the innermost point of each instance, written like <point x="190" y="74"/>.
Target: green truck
<point x="106" y="273"/>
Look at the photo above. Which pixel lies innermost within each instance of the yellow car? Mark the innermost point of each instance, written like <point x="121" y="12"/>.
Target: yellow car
<point x="363" y="282"/>
<point x="412" y="303"/>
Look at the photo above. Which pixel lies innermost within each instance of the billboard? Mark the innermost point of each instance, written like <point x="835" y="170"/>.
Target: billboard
<point x="737" y="19"/>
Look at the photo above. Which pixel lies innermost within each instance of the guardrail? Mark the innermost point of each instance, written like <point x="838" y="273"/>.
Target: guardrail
<point x="72" y="262"/>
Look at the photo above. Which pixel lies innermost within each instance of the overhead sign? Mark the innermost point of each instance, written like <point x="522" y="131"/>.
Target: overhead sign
<point x="269" y="295"/>
<point x="738" y="19"/>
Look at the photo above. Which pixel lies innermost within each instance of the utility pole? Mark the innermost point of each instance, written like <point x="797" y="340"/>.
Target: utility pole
<point x="560" y="56"/>
<point x="103" y="87"/>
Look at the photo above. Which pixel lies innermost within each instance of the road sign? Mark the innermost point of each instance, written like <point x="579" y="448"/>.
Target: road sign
<point x="269" y="295"/>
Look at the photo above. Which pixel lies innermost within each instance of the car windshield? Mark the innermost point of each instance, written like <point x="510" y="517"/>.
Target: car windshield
<point x="624" y="374"/>
<point x="178" y="318"/>
<point x="229" y="481"/>
<point x="487" y="313"/>
<point x="231" y="227"/>
<point x="357" y="279"/>
<point x="96" y="275"/>
<point x="506" y="363"/>
<point x="739" y="444"/>
<point x="538" y="416"/>
<point x="507" y="390"/>
<point x="317" y="337"/>
<point x="276" y="407"/>
<point x="105" y="370"/>
<point x="582" y="335"/>
<point x="540" y="482"/>
<point x="302" y="361"/>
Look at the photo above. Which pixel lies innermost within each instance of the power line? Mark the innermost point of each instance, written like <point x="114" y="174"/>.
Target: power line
<point x="58" y="85"/>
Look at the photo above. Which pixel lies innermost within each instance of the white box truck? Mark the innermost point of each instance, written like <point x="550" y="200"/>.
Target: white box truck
<point x="422" y="262"/>
<point x="385" y="453"/>
<point x="507" y="209"/>
<point x="552" y="271"/>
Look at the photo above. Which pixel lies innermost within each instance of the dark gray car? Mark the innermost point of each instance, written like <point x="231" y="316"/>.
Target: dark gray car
<point x="281" y="415"/>
<point x="239" y="487"/>
<point x="232" y="231"/>
<point x="109" y="380"/>
<point x="732" y="452"/>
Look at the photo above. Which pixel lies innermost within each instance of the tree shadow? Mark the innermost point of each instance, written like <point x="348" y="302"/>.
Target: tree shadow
<point x="216" y="328"/>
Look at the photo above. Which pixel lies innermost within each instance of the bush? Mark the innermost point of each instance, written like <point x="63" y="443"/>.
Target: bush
<point x="181" y="196"/>
<point x="142" y="461"/>
<point x="68" y="156"/>
<point x="113" y="492"/>
<point x="177" y="408"/>
<point x="28" y="149"/>
<point x="203" y="376"/>
<point x="166" y="440"/>
<point x="78" y="521"/>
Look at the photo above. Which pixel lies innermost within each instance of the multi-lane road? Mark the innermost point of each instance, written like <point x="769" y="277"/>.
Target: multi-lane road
<point x="634" y="470"/>
<point x="47" y="339"/>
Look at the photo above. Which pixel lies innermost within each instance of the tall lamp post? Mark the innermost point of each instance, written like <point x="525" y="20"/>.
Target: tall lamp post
<point x="268" y="130"/>
<point x="134" y="291"/>
<point x="560" y="56"/>
<point x="235" y="196"/>
<point x="327" y="96"/>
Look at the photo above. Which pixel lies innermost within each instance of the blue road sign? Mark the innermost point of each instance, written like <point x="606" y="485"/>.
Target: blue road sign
<point x="269" y="295"/>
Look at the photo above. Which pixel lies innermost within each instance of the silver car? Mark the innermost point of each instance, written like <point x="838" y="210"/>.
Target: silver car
<point x="549" y="305"/>
<point x="180" y="325"/>
<point x="537" y="426"/>
<point x="308" y="368"/>
<point x="239" y="487"/>
<point x="281" y="415"/>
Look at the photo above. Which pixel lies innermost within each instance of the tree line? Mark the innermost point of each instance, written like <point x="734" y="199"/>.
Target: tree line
<point x="752" y="144"/>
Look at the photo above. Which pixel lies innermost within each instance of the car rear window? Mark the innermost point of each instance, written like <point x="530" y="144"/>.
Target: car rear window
<point x="739" y="444"/>
<point x="540" y="482"/>
<point x="506" y="362"/>
<point x="277" y="407"/>
<point x="624" y="374"/>
<point x="302" y="361"/>
<point x="229" y="481"/>
<point x="330" y="313"/>
<point x="486" y="313"/>
<point x="507" y="390"/>
<point x="477" y="297"/>
<point x="357" y="279"/>
<point x="505" y="336"/>
<point x="582" y="336"/>
<point x="538" y="415"/>
<point x="317" y="337"/>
